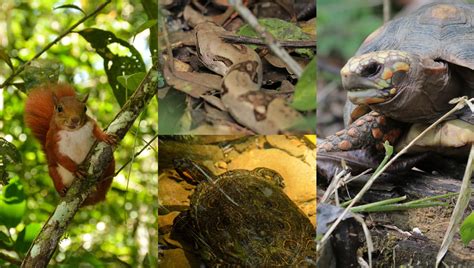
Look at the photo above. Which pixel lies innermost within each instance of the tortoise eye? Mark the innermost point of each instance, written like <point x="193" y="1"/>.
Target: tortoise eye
<point x="59" y="109"/>
<point x="371" y="69"/>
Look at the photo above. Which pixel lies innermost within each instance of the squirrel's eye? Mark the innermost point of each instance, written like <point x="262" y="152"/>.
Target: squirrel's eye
<point x="85" y="108"/>
<point x="60" y="109"/>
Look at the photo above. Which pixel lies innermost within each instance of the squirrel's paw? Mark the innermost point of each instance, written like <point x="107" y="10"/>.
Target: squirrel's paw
<point x="80" y="173"/>
<point x="111" y="139"/>
<point x="63" y="191"/>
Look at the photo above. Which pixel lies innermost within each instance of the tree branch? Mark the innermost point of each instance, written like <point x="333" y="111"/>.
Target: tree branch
<point x="257" y="41"/>
<point x="95" y="163"/>
<point x="22" y="67"/>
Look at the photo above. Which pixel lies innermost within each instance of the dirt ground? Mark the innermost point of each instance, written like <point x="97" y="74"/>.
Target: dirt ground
<point x="396" y="243"/>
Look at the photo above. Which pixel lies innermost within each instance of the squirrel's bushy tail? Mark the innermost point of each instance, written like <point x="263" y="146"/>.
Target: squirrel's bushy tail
<point x="39" y="108"/>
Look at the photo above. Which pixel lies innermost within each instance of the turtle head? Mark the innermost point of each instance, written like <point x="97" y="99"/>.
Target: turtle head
<point x="402" y="85"/>
<point x="377" y="76"/>
<point x="192" y="172"/>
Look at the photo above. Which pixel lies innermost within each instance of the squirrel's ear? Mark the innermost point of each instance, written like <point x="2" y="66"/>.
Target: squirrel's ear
<point x="84" y="99"/>
<point x="55" y="99"/>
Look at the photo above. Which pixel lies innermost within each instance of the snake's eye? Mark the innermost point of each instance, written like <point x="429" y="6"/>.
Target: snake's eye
<point x="371" y="69"/>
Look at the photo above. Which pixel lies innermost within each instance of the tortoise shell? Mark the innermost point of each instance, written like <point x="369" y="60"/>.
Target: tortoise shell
<point x="244" y="218"/>
<point x="436" y="31"/>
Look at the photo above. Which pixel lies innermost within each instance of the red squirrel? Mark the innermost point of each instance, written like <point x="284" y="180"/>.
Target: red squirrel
<point x="58" y="119"/>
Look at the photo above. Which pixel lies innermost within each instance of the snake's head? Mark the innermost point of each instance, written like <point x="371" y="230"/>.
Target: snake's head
<point x="375" y="77"/>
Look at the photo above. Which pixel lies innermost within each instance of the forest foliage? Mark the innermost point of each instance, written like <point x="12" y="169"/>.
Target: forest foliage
<point x="106" y="56"/>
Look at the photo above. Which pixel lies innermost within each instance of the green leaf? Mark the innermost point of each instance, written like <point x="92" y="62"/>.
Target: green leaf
<point x="27" y="236"/>
<point x="388" y="153"/>
<point x="172" y="107"/>
<point x="467" y="229"/>
<point x="146" y="25"/>
<point x="5" y="241"/>
<point x="12" y="203"/>
<point x="281" y="30"/>
<point x="9" y="154"/>
<point x="87" y="259"/>
<point x="305" y="89"/>
<point x="6" y="58"/>
<point x="388" y="148"/>
<point x="126" y="60"/>
<point x="72" y="7"/>
<point x="131" y="82"/>
<point x="308" y="122"/>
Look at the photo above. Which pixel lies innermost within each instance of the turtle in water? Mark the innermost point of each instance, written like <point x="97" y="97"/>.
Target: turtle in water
<point x="401" y="79"/>
<point x="243" y="218"/>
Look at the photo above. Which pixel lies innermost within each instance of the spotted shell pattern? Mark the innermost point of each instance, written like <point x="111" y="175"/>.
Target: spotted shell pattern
<point x="244" y="218"/>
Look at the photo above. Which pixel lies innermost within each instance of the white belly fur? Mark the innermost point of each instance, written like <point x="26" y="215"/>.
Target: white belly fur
<point x="66" y="176"/>
<point x="74" y="144"/>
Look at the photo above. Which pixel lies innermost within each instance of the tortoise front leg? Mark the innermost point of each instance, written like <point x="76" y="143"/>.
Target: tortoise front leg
<point x="368" y="132"/>
<point x="360" y="145"/>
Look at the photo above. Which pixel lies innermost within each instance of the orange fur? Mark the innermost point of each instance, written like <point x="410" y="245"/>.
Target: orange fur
<point x="39" y="108"/>
<point x="41" y="117"/>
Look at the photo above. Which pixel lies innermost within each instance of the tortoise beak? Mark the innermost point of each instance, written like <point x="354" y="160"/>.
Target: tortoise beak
<point x="354" y="81"/>
<point x="365" y="90"/>
<point x="372" y="78"/>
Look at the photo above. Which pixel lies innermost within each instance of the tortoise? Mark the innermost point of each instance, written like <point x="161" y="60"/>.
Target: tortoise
<point x="401" y="79"/>
<point x="243" y="218"/>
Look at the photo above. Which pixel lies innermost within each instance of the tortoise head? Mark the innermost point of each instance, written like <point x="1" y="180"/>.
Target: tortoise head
<point x="377" y="77"/>
<point x="192" y="172"/>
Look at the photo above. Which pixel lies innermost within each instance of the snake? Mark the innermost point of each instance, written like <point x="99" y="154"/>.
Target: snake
<point x="241" y="69"/>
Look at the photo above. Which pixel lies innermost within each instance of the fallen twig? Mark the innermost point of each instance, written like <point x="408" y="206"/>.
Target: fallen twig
<point x="257" y="41"/>
<point x="272" y="43"/>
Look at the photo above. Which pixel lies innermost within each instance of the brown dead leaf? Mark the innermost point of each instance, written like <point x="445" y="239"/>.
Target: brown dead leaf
<point x="214" y="101"/>
<point x="286" y="87"/>
<point x="181" y="66"/>
<point x="275" y="61"/>
<point x="213" y="113"/>
<point x="194" y="84"/>
<point x="178" y="39"/>
<point x="220" y="128"/>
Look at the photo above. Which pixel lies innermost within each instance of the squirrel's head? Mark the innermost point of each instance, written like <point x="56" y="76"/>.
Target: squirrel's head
<point x="70" y="112"/>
